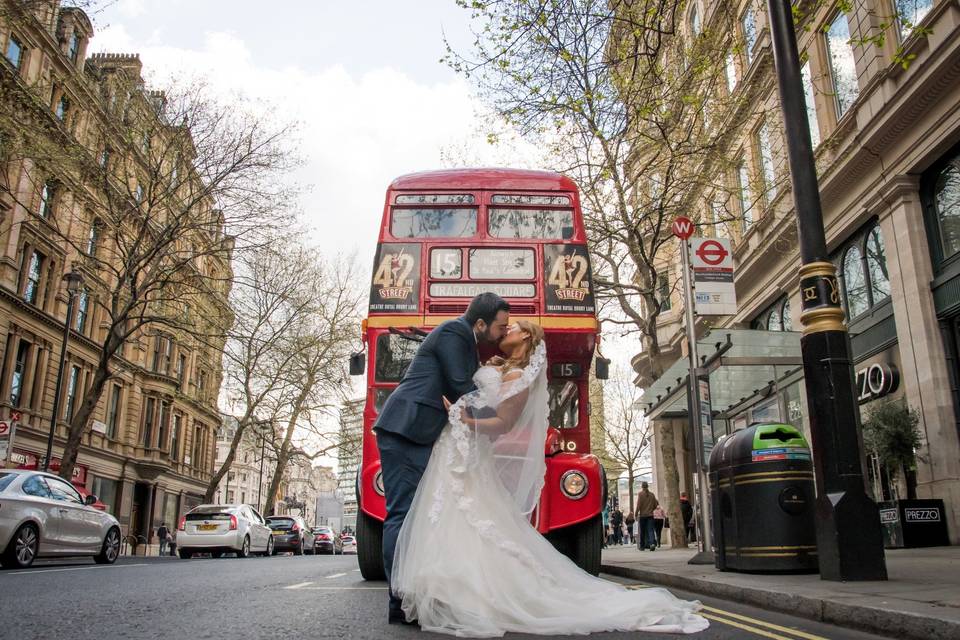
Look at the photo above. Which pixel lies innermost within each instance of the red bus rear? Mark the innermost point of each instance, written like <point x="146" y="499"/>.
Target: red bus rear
<point x="445" y="237"/>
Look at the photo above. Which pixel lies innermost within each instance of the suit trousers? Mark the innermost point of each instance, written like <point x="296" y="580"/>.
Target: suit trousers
<point x="403" y="463"/>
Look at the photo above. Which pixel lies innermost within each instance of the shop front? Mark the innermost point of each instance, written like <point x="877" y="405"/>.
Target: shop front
<point x="23" y="459"/>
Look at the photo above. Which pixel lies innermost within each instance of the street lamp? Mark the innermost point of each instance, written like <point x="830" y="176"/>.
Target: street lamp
<point x="74" y="280"/>
<point x="849" y="538"/>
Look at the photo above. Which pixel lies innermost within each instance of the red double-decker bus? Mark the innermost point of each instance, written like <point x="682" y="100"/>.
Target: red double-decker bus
<point x="445" y="237"/>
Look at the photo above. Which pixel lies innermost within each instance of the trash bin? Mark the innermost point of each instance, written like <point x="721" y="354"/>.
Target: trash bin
<point x="762" y="497"/>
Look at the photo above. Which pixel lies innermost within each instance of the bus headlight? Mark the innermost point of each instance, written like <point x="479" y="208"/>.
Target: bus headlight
<point x="574" y="484"/>
<point x="378" y="482"/>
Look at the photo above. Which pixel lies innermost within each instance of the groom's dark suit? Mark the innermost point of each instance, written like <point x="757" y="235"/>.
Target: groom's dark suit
<point x="414" y="416"/>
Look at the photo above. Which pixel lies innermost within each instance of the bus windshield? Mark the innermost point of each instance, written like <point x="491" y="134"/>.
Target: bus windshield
<point x="394" y="354"/>
<point x="531" y="223"/>
<point x="434" y="223"/>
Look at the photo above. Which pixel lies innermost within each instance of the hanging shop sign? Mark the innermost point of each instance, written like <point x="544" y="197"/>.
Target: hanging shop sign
<point x="877" y="380"/>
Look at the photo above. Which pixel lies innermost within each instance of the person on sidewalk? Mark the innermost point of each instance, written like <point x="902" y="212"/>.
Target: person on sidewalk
<point x="162" y="534"/>
<point x="658" y="519"/>
<point x="686" y="510"/>
<point x="616" y="521"/>
<point x="646" y="503"/>
<point x="606" y="526"/>
<point x="630" y="521"/>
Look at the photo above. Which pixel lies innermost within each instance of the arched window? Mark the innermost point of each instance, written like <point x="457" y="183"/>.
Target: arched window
<point x="773" y="320"/>
<point x="785" y="314"/>
<point x="877" y="266"/>
<point x="854" y="283"/>
<point x="947" y="204"/>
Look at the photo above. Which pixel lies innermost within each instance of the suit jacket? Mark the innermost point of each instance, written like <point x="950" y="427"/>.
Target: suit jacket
<point x="443" y="366"/>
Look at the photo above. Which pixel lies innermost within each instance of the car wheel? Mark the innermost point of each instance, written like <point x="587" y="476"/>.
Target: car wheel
<point x="269" y="551"/>
<point x="298" y="550"/>
<point x="184" y="554"/>
<point x="245" y="548"/>
<point x="216" y="554"/>
<point x="110" y="550"/>
<point x="22" y="549"/>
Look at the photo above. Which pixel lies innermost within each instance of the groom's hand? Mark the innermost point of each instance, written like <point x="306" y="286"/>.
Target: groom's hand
<point x="446" y="403"/>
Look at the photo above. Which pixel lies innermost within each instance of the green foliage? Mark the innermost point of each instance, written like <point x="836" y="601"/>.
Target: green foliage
<point x="891" y="431"/>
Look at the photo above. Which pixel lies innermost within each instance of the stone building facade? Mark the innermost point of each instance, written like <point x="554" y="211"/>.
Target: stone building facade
<point x="887" y="146"/>
<point x="149" y="449"/>
<point x="351" y="434"/>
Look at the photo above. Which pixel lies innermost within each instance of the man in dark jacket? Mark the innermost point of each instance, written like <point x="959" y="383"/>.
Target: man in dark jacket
<point x="646" y="503"/>
<point x="686" y="510"/>
<point x="616" y="521"/>
<point x="414" y="415"/>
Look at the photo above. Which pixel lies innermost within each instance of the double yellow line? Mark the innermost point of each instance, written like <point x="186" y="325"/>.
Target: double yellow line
<point x="746" y="623"/>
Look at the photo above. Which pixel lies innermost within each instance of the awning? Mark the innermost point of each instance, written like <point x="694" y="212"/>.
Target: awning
<point x="740" y="363"/>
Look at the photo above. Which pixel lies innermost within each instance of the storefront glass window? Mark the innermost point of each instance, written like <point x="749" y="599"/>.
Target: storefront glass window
<point x="106" y="490"/>
<point x="877" y="266"/>
<point x="947" y="196"/>
<point x="854" y="283"/>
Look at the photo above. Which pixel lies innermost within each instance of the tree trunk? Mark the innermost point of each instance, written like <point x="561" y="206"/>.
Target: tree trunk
<point x="671" y="490"/>
<point x="282" y="458"/>
<point x="630" y="480"/>
<point x="78" y="424"/>
<point x="910" y="478"/>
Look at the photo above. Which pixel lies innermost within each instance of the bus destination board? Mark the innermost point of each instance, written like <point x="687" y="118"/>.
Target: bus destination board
<point x="568" y="279"/>
<point x="396" y="278"/>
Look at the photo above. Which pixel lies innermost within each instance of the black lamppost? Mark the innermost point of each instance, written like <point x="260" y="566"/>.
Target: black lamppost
<point x="849" y="538"/>
<point x="74" y="280"/>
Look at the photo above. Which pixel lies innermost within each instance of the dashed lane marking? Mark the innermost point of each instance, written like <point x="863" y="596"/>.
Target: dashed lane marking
<point x="299" y="585"/>
<point x="344" y="589"/>
<point x="336" y="575"/>
<point x="35" y="571"/>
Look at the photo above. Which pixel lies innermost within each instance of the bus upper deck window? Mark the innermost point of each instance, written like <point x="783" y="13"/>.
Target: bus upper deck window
<point x="553" y="224"/>
<point x="434" y="223"/>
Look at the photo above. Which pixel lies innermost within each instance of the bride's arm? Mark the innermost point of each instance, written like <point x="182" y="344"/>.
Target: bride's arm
<point x="507" y="413"/>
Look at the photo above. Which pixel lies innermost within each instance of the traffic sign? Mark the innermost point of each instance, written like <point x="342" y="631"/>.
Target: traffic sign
<point x="14" y="416"/>
<point x="711" y="252"/>
<point x="711" y="261"/>
<point x="683" y="227"/>
<point x="4" y="428"/>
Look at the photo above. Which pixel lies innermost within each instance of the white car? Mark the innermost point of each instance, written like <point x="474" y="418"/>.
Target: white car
<point x="349" y="544"/>
<point x="223" y="528"/>
<point x="43" y="515"/>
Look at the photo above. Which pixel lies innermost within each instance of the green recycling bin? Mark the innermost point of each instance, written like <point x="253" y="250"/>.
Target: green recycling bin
<point x="762" y="497"/>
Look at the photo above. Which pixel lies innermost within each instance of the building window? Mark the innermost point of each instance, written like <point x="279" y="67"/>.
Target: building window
<point x="83" y="303"/>
<point x="14" y="52"/>
<point x="946" y="202"/>
<point x="731" y="73"/>
<point x="175" y="435"/>
<point x="138" y="194"/>
<point x="910" y="13"/>
<point x="62" y="108"/>
<point x="748" y="26"/>
<point x="842" y="66"/>
<point x="766" y="161"/>
<point x="72" y="388"/>
<point x="695" y="25"/>
<point x="663" y="291"/>
<point x="19" y="371"/>
<point x="48" y="198"/>
<point x="163" y="425"/>
<point x="197" y="446"/>
<point x="181" y="368"/>
<point x="113" y="412"/>
<point x="202" y="385"/>
<point x="776" y="317"/>
<point x="877" y="266"/>
<point x="149" y="417"/>
<point x="105" y="157"/>
<point x="93" y="238"/>
<point x="74" y="48"/>
<point x="162" y="354"/>
<point x="811" y="105"/>
<point x="743" y="190"/>
<point x="855" y="284"/>
<point x="34" y="269"/>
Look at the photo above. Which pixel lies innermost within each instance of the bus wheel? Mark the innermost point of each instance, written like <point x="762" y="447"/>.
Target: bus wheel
<point x="586" y="539"/>
<point x="370" y="547"/>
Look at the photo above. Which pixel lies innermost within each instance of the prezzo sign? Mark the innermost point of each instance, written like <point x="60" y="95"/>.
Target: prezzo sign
<point x="877" y="380"/>
<point x="921" y="515"/>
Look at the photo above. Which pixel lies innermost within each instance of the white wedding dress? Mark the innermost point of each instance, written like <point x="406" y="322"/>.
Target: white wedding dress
<point x="469" y="563"/>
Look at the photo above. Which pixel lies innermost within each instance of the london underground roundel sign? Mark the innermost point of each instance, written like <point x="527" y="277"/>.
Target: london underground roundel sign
<point x="683" y="227"/>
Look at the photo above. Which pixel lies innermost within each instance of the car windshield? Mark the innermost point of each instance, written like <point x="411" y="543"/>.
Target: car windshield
<point x="6" y="479"/>
<point x="212" y="508"/>
<point x="322" y="530"/>
<point x="281" y="524"/>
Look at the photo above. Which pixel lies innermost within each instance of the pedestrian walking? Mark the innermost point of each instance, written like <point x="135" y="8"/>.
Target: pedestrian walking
<point x="631" y="522"/>
<point x="646" y="503"/>
<point x="616" y="521"/>
<point x="658" y="519"/>
<point x="686" y="511"/>
<point x="606" y="526"/>
<point x="162" y="534"/>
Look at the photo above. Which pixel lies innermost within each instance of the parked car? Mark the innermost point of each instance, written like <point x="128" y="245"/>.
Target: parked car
<point x="223" y="528"/>
<point x="43" y="515"/>
<point x="349" y="544"/>
<point x="326" y="541"/>
<point x="291" y="533"/>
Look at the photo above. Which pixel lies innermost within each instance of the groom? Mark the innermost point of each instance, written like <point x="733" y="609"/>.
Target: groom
<point x="414" y="415"/>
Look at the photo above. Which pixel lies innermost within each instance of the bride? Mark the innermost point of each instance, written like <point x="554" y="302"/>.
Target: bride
<point x="468" y="562"/>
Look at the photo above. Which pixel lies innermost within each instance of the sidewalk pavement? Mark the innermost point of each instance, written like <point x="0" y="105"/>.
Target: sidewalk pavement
<point x="920" y="601"/>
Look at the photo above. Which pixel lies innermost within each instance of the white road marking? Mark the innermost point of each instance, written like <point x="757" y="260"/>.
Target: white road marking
<point x="115" y="566"/>
<point x="344" y="588"/>
<point x="356" y="570"/>
<point x="300" y="585"/>
<point x="336" y="575"/>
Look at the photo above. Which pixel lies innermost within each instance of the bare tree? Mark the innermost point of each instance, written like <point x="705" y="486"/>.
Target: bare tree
<point x="628" y="432"/>
<point x="173" y="184"/>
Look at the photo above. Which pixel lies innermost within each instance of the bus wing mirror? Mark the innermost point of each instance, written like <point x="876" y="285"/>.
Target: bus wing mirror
<point x="357" y="363"/>
<point x="602" y="368"/>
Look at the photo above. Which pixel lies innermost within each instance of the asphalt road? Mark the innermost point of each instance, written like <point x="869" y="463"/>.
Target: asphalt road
<point x="280" y="597"/>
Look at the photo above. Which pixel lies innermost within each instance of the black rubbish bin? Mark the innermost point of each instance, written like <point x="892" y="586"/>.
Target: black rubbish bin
<point x="762" y="497"/>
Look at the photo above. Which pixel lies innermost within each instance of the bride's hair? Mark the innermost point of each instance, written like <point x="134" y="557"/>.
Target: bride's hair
<point x="521" y="357"/>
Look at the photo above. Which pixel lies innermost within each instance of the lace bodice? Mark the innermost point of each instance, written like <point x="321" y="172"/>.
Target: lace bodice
<point x="488" y="379"/>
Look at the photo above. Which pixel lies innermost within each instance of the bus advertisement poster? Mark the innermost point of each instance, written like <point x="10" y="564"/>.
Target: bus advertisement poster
<point x="396" y="278"/>
<point x="568" y="278"/>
